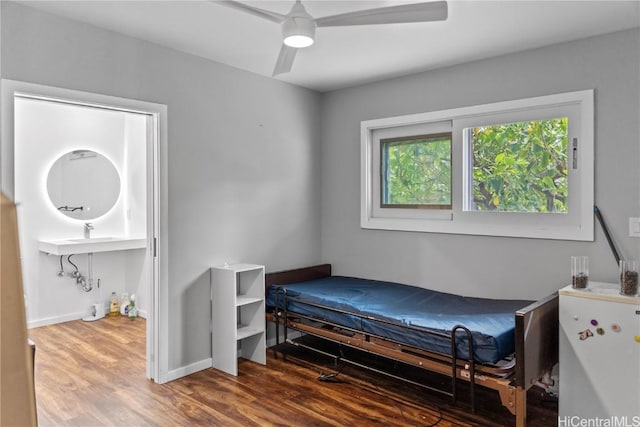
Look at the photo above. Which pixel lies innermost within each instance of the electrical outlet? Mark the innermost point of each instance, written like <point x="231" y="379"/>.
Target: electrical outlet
<point x="634" y="227"/>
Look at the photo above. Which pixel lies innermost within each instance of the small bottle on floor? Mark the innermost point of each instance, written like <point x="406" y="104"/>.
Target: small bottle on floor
<point x="124" y="304"/>
<point x="133" y="311"/>
<point x="113" y="305"/>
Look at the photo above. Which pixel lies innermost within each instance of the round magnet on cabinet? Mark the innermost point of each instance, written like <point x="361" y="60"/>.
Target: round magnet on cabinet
<point x="637" y="338"/>
<point x="594" y="322"/>
<point x="600" y="331"/>
<point x="615" y="327"/>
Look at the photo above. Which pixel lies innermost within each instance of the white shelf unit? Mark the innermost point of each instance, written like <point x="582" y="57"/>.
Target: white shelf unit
<point x="238" y="318"/>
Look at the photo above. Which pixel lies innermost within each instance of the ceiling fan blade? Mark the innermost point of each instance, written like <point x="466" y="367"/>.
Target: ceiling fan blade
<point x="260" y="13"/>
<point x="416" y="12"/>
<point x="285" y="60"/>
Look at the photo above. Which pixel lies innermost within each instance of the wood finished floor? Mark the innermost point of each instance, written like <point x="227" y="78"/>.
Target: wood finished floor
<point x="93" y="374"/>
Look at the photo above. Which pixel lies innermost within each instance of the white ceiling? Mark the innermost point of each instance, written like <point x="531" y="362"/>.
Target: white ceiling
<point x="347" y="56"/>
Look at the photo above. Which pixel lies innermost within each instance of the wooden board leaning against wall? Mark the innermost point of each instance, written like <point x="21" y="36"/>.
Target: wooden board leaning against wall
<point x="17" y="398"/>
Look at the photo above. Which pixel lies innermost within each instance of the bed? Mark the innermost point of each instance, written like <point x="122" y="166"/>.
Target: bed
<point x="504" y="345"/>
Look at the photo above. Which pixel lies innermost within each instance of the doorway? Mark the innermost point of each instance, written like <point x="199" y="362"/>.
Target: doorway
<point x="44" y="127"/>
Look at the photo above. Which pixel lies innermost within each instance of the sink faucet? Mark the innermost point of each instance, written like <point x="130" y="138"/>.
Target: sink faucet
<point x="87" y="230"/>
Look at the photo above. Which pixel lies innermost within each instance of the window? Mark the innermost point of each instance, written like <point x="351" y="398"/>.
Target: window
<point x="519" y="168"/>
<point x="416" y="172"/>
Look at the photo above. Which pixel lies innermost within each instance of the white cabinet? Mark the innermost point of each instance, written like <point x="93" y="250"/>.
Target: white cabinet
<point x="238" y="319"/>
<point x="599" y="356"/>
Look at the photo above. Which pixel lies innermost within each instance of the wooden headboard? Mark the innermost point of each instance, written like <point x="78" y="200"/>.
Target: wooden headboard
<point x="296" y="275"/>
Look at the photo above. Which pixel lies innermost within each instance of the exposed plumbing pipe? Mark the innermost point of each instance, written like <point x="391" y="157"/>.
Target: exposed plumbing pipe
<point x="90" y="273"/>
<point x="85" y="285"/>
<point x="61" y="271"/>
<point x="76" y="273"/>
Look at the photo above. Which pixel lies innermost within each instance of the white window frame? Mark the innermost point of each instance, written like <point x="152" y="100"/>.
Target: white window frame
<point x="398" y="132"/>
<point x="577" y="224"/>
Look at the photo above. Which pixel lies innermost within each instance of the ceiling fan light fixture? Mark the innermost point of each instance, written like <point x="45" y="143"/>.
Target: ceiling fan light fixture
<point x="298" y="32"/>
<point x="299" y="28"/>
<point x="298" y="41"/>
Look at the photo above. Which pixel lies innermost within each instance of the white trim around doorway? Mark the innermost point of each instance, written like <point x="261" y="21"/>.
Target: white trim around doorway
<point x="157" y="214"/>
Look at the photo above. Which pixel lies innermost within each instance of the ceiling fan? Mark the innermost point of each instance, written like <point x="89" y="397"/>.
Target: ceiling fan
<point x="299" y="28"/>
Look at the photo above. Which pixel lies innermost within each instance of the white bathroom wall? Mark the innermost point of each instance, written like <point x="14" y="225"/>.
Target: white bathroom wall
<point x="134" y="174"/>
<point x="43" y="132"/>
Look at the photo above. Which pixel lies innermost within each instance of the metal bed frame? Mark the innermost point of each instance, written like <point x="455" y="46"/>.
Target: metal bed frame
<point x="536" y="345"/>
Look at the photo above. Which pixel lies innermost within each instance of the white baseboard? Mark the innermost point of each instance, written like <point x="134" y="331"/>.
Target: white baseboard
<point x="185" y="370"/>
<point x="67" y="318"/>
<point x="56" y="319"/>
<point x="208" y="363"/>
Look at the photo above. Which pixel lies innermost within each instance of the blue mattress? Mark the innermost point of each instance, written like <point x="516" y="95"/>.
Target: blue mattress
<point x="491" y="321"/>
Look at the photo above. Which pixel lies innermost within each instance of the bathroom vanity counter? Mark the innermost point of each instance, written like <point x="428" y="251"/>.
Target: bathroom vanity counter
<point x="83" y="246"/>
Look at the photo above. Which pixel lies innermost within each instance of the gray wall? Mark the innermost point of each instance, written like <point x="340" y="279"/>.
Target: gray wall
<point x="243" y="174"/>
<point x="248" y="168"/>
<point x="475" y="265"/>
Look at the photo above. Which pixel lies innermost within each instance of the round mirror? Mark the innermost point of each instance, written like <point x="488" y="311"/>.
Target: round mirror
<point x="83" y="184"/>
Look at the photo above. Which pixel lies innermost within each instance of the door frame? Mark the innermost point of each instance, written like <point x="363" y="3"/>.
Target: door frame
<point x="157" y="206"/>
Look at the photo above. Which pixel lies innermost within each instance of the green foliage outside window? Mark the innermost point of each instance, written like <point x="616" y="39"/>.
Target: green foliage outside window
<point x="520" y="167"/>
<point x="416" y="171"/>
<point x="516" y="167"/>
